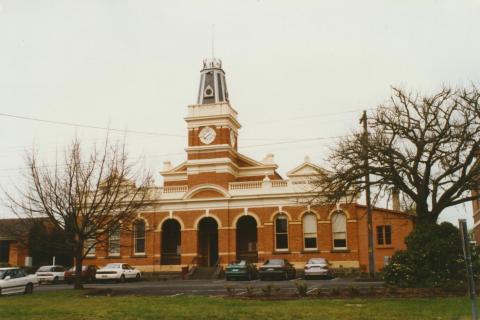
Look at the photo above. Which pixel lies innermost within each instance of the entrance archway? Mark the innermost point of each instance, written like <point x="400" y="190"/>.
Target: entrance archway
<point x="171" y="242"/>
<point x="247" y="239"/>
<point x="207" y="242"/>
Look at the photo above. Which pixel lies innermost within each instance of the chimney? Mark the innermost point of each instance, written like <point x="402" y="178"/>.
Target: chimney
<point x="396" y="199"/>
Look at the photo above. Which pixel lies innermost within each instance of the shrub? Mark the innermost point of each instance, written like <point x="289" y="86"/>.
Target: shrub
<point x="302" y="288"/>
<point x="230" y="290"/>
<point x="433" y="258"/>
<point x="269" y="289"/>
<point x="354" y="291"/>
<point x="250" y="290"/>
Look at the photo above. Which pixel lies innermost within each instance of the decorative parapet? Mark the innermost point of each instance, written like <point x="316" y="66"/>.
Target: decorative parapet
<point x="245" y="188"/>
<point x="217" y="109"/>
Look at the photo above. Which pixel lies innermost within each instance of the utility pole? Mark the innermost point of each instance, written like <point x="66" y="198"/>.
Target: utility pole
<point x="371" y="258"/>
<point x="468" y="263"/>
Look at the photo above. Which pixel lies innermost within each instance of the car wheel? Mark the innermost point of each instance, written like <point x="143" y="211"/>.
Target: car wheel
<point x="285" y="276"/>
<point x="305" y="277"/>
<point x="29" y="288"/>
<point x="249" y="277"/>
<point x="137" y="277"/>
<point x="55" y="280"/>
<point x="227" y="279"/>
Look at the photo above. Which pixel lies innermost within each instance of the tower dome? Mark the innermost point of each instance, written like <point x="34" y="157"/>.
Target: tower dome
<point x="213" y="87"/>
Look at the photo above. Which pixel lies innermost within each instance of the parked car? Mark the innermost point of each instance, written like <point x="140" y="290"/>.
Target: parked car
<point x="119" y="272"/>
<point x="317" y="267"/>
<point x="52" y="274"/>
<point x="277" y="268"/>
<point x="241" y="269"/>
<point x="16" y="280"/>
<point x="88" y="274"/>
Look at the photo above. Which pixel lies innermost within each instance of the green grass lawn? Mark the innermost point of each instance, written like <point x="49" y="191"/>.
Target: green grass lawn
<point x="69" y="305"/>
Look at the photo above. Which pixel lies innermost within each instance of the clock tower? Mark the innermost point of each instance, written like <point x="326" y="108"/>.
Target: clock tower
<point x="212" y="130"/>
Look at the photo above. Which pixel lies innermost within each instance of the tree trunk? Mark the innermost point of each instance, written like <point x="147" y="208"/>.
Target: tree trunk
<point x="425" y="217"/>
<point x="78" y="271"/>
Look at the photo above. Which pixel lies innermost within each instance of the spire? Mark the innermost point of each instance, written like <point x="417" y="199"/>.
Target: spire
<point x="213" y="87"/>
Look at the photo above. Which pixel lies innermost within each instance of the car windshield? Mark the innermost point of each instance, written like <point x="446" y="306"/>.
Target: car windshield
<point x="44" y="269"/>
<point x="241" y="263"/>
<point x="2" y="273"/>
<point x="113" y="266"/>
<point x="274" y="262"/>
<point x="317" y="261"/>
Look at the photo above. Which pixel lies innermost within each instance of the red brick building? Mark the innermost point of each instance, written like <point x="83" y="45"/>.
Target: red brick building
<point x="220" y="205"/>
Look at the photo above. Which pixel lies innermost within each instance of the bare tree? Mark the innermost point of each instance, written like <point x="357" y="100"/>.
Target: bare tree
<point x="425" y="146"/>
<point x="87" y="197"/>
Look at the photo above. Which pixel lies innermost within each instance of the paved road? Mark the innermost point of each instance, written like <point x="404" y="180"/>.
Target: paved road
<point x="207" y="287"/>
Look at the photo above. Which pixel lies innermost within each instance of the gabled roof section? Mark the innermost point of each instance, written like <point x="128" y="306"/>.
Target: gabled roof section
<point x="306" y="169"/>
<point x="244" y="161"/>
<point x="181" y="168"/>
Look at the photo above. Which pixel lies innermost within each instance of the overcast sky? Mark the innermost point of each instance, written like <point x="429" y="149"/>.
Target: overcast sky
<point x="295" y="70"/>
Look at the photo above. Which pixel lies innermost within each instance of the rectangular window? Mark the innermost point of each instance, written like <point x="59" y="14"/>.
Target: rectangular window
<point x="90" y="247"/>
<point x="281" y="233"/>
<point x="139" y="236"/>
<point x="309" y="231"/>
<point x="384" y="235"/>
<point x="339" y="228"/>
<point x="114" y="243"/>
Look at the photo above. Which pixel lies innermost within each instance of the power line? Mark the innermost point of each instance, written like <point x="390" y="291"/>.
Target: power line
<point x="72" y="124"/>
<point x="182" y="153"/>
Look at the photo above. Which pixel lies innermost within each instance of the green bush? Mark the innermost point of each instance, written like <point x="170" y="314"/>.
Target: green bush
<point x="433" y="258"/>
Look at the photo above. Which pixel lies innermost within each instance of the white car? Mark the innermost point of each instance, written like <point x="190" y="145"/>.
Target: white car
<point x="52" y="274"/>
<point x="15" y="280"/>
<point x="317" y="267"/>
<point x="118" y="271"/>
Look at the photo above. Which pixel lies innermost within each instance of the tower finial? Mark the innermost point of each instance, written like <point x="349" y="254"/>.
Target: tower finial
<point x="213" y="41"/>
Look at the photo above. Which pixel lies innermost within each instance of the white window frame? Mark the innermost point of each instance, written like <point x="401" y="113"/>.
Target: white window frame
<point x="311" y="234"/>
<point x="283" y="217"/>
<point x="114" y="237"/>
<point x="136" y="237"/>
<point x="88" y="245"/>
<point x="335" y="232"/>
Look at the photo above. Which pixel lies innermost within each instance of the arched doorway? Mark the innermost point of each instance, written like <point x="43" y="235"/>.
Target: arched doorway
<point x="171" y="242"/>
<point x="247" y="239"/>
<point x="207" y="242"/>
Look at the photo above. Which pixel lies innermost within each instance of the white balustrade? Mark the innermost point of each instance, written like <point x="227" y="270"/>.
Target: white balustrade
<point x="175" y="189"/>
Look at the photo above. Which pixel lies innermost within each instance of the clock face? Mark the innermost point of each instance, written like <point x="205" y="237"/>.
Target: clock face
<point x="232" y="138"/>
<point x="207" y="135"/>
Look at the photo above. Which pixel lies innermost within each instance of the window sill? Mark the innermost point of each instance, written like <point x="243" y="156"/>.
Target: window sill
<point x="116" y="256"/>
<point x="384" y="247"/>
<point x="343" y="250"/>
<point x="310" y="251"/>
<point x="139" y="255"/>
<point x="90" y="256"/>
<point x="281" y="252"/>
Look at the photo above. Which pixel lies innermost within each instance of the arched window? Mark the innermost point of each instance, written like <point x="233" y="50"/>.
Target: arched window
<point x="114" y="241"/>
<point x="281" y="232"/>
<point x="310" y="231"/>
<point x="139" y="237"/>
<point x="339" y="230"/>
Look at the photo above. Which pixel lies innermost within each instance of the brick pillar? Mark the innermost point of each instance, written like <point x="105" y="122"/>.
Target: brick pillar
<point x="189" y="246"/>
<point x="223" y="245"/>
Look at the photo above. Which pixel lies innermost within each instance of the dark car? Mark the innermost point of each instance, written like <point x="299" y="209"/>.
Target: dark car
<point x="277" y="268"/>
<point x="241" y="269"/>
<point x="88" y="274"/>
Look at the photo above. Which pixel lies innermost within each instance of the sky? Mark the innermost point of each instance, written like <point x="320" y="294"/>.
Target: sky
<point x="296" y="70"/>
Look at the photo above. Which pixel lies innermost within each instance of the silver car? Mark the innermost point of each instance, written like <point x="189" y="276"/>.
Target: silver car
<point x="317" y="267"/>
